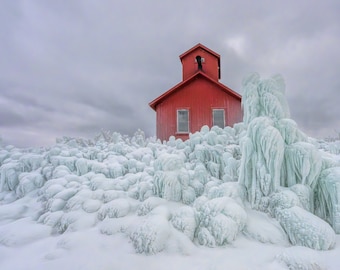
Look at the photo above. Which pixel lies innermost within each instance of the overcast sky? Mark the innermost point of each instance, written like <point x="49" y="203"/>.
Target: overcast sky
<point x="74" y="67"/>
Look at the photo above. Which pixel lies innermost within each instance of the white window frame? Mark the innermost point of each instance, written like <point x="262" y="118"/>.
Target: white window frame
<point x="178" y="121"/>
<point x="213" y="117"/>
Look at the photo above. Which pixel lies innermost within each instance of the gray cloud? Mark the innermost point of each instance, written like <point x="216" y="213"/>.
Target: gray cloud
<point x="75" y="67"/>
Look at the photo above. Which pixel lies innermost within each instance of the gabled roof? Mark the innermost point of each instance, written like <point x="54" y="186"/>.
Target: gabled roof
<point x="199" y="45"/>
<point x="153" y="104"/>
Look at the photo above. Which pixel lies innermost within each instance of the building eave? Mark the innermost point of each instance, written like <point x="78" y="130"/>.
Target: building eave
<point x="153" y="104"/>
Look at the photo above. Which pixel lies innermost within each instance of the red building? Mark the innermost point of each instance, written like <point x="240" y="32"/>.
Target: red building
<point x="200" y="99"/>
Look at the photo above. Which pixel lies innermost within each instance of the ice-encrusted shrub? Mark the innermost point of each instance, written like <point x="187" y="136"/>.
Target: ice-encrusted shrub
<point x="60" y="171"/>
<point x="211" y="157"/>
<point x="67" y="161"/>
<point x="231" y="168"/>
<point x="262" y="157"/>
<point x="51" y="219"/>
<point x="149" y="204"/>
<point x="98" y="167"/>
<point x="116" y="170"/>
<point x="184" y="219"/>
<point x="152" y="234"/>
<point x="289" y="131"/>
<point x="328" y="197"/>
<point x="229" y="189"/>
<point x="220" y="220"/>
<point x="144" y="189"/>
<point x="201" y="173"/>
<point x="75" y="202"/>
<point x="283" y="199"/>
<point x="75" y="221"/>
<point x="171" y="179"/>
<point x="303" y="164"/>
<point x="82" y="166"/>
<point x="306" y="229"/>
<point x="114" y="209"/>
<point x="306" y="196"/>
<point x="4" y="154"/>
<point x="31" y="162"/>
<point x="99" y="181"/>
<point x="110" y="195"/>
<point x="29" y="182"/>
<point x="263" y="97"/>
<point x="9" y="173"/>
<point x="50" y="189"/>
<point x="66" y="194"/>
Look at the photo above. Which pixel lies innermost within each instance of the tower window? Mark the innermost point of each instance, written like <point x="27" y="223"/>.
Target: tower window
<point x="199" y="60"/>
<point x="182" y="121"/>
<point x="218" y="118"/>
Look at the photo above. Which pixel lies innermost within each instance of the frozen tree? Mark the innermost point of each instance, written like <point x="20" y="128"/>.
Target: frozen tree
<point x="275" y="154"/>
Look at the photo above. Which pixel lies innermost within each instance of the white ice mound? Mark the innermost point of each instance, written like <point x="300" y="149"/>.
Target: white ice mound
<point x="305" y="229"/>
<point x="220" y="221"/>
<point x="152" y="234"/>
<point x="261" y="227"/>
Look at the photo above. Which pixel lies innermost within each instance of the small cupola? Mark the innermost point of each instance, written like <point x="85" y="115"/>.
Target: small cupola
<point x="200" y="59"/>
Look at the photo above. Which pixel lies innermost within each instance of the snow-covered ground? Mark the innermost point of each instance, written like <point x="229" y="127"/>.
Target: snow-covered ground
<point x="260" y="195"/>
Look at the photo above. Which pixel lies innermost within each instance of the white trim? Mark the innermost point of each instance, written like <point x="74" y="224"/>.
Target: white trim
<point x="213" y="118"/>
<point x="188" y="125"/>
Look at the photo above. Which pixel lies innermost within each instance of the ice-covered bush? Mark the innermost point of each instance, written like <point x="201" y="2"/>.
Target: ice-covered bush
<point x="328" y="197"/>
<point x="220" y="220"/>
<point x="9" y="173"/>
<point x="152" y="234"/>
<point x="184" y="220"/>
<point x="306" y="229"/>
<point x="171" y="179"/>
<point x="303" y="164"/>
<point x="114" y="209"/>
<point x="262" y="158"/>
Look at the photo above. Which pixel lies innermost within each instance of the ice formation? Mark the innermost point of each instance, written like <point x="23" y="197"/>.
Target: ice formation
<point x="275" y="155"/>
<point x="262" y="178"/>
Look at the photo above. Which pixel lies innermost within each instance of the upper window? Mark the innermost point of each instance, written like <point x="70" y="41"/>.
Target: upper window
<point x="218" y="118"/>
<point x="199" y="60"/>
<point x="182" y="121"/>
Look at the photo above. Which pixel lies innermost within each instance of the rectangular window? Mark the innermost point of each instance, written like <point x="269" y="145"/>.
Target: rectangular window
<point x="182" y="121"/>
<point x="218" y="118"/>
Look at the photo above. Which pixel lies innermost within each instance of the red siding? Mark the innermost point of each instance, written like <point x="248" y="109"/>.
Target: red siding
<point x="209" y="66"/>
<point x="200" y="97"/>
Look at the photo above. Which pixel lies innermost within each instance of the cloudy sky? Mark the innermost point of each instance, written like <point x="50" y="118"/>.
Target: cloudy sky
<point x="74" y="67"/>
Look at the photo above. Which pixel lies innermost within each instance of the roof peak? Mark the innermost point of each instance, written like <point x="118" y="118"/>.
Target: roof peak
<point x="199" y="45"/>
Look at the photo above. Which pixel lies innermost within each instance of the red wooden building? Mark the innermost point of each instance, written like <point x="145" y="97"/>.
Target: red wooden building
<point x="199" y="99"/>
